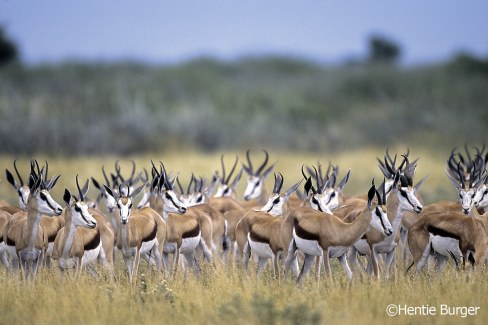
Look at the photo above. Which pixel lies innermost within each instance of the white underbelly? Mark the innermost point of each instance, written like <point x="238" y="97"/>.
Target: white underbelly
<point x="362" y="247"/>
<point x="3" y="247"/>
<point x="337" y="251"/>
<point x="310" y="247"/>
<point x="92" y="255"/>
<point x="169" y="247"/>
<point x="444" y="245"/>
<point x="189" y="244"/>
<point x="260" y="249"/>
<point x="148" y="245"/>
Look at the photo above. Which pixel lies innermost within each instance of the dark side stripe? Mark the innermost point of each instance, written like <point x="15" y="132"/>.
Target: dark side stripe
<point x="304" y="234"/>
<point x="51" y="238"/>
<point x="94" y="243"/>
<point x="10" y="241"/>
<point x="257" y="238"/>
<point x="441" y="232"/>
<point x="152" y="235"/>
<point x="192" y="233"/>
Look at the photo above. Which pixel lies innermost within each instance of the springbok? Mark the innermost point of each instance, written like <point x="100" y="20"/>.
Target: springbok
<point x="255" y="193"/>
<point x="137" y="233"/>
<point x="79" y="243"/>
<point x="260" y="229"/>
<point x="224" y="189"/>
<point x="25" y="237"/>
<point x="315" y="232"/>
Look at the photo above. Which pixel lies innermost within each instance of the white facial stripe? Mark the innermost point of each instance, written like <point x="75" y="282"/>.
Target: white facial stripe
<point x="379" y="221"/>
<point x="172" y="203"/>
<point x="408" y="200"/>
<point x="253" y="188"/>
<point x="466" y="198"/>
<point x="46" y="204"/>
<point x="481" y="197"/>
<point x="124" y="204"/>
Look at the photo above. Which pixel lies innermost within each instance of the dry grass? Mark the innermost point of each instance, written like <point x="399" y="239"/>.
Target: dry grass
<point x="227" y="295"/>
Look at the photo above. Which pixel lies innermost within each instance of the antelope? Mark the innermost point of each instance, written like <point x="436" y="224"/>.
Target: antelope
<point x="261" y="228"/>
<point x="195" y="203"/>
<point x="444" y="245"/>
<point x="183" y="231"/>
<point x="315" y="232"/>
<point x="401" y="198"/>
<point x="79" y="243"/>
<point x="469" y="232"/>
<point x="25" y="238"/>
<point x="4" y="221"/>
<point x="481" y="198"/>
<point x="138" y="231"/>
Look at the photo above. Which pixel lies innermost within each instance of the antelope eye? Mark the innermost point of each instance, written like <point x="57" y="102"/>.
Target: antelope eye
<point x="77" y="209"/>
<point x="199" y="199"/>
<point x="168" y="196"/>
<point x="460" y="196"/>
<point x="258" y="182"/>
<point x="314" y="201"/>
<point x="472" y="196"/>
<point x="43" y="196"/>
<point x="485" y="192"/>
<point x="276" y="201"/>
<point x="130" y="206"/>
<point x="226" y="190"/>
<point x="403" y="193"/>
<point x="333" y="194"/>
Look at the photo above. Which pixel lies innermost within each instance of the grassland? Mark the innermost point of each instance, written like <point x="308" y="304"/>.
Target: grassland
<point x="227" y="295"/>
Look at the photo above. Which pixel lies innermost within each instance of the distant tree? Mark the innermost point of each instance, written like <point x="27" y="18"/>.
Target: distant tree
<point x="382" y="50"/>
<point x="8" y="50"/>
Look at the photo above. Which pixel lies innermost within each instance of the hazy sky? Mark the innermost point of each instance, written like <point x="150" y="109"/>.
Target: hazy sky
<point x="171" y="31"/>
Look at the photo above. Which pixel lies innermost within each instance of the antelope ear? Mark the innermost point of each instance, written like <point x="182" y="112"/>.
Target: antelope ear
<point x="454" y="182"/>
<point x="52" y="182"/>
<point x="343" y="181"/>
<point x="237" y="179"/>
<point x="267" y="171"/>
<point x="138" y="190"/>
<point x="109" y="191"/>
<point x="96" y="184"/>
<point x="308" y="186"/>
<point x="66" y="196"/>
<point x="11" y="179"/>
<point x="419" y="184"/>
<point x="292" y="189"/>
<point x="371" y="194"/>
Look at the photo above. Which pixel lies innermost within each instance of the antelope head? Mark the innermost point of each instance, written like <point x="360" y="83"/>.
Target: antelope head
<point x="124" y="202"/>
<point x="255" y="178"/>
<point x="379" y="218"/>
<point x="225" y="189"/>
<point x="277" y="200"/>
<point x="171" y="201"/>
<point x="80" y="215"/>
<point x="21" y="189"/>
<point x="39" y="192"/>
<point x="467" y="189"/>
<point x="318" y="200"/>
<point x="328" y="187"/>
<point x="481" y="197"/>
<point x="403" y="186"/>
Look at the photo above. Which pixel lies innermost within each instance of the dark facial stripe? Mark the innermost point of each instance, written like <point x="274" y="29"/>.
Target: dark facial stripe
<point x="381" y="219"/>
<point x="441" y="232"/>
<point x="169" y="197"/>
<point x="405" y="195"/>
<point x="304" y="234"/>
<point x="192" y="233"/>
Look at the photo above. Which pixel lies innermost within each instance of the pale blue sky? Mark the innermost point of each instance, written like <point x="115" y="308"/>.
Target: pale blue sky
<point x="172" y="31"/>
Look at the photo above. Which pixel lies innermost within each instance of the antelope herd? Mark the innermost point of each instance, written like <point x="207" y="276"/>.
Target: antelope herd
<point x="208" y="223"/>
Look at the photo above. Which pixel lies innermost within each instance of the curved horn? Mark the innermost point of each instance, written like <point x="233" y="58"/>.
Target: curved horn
<point x="281" y="182"/>
<point x="249" y="161"/>
<point x="223" y="170"/>
<point x="117" y="169"/>
<point x="131" y="178"/>
<point x="303" y="173"/>
<point x="105" y="176"/>
<point x="318" y="180"/>
<point x="231" y="171"/>
<point x="182" y="191"/>
<point x="276" y="184"/>
<point x="404" y="162"/>
<point x="260" y="169"/>
<point x="18" y="174"/>
<point x="192" y="179"/>
<point x="461" y="176"/>
<point x="45" y="174"/>
<point x="79" y="189"/>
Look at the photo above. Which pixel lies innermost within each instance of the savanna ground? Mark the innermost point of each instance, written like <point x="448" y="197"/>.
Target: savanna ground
<point x="227" y="295"/>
